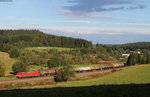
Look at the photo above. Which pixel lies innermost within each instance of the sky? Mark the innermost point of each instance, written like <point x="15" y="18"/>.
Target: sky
<point x="100" y="21"/>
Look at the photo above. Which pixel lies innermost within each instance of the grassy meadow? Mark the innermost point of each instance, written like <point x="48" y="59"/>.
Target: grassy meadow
<point x="4" y="58"/>
<point x="7" y="78"/>
<point x="36" y="67"/>
<point x="85" y="65"/>
<point x="49" y="48"/>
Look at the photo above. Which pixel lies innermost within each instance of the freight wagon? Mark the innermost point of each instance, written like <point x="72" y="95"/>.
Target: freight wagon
<point x="54" y="71"/>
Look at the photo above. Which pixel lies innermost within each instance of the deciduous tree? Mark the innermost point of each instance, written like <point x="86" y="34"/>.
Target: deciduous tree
<point x="20" y="66"/>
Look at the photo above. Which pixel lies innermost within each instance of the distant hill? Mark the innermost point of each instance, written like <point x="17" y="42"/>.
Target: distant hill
<point x="79" y="51"/>
<point x="135" y="46"/>
<point x="32" y="38"/>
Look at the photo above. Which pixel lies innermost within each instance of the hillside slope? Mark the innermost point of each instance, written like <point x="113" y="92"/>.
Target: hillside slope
<point x="4" y="58"/>
<point x="135" y="46"/>
<point x="31" y="38"/>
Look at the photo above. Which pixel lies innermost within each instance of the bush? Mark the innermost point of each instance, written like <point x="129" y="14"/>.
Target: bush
<point x="28" y="57"/>
<point x="20" y="67"/>
<point x="2" y="69"/>
<point x="64" y="74"/>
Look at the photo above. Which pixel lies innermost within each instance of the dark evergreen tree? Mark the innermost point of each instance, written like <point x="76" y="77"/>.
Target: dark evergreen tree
<point x="133" y="59"/>
<point x="14" y="53"/>
<point x="129" y="61"/>
<point x="148" y="58"/>
<point x="143" y="60"/>
<point x="26" y="38"/>
<point x="135" y="46"/>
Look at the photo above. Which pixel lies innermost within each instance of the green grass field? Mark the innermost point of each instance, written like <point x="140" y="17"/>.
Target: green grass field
<point x="131" y="82"/>
<point x="7" y="78"/>
<point x="49" y="48"/>
<point x="79" y="65"/>
<point x="35" y="67"/>
<point x="134" y="75"/>
<point x="4" y="58"/>
<point x="85" y="65"/>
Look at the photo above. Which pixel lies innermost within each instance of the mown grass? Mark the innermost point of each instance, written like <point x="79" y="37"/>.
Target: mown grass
<point x="49" y="48"/>
<point x="4" y="58"/>
<point x="36" y="67"/>
<point x="7" y="78"/>
<point x="134" y="75"/>
<point x="85" y="65"/>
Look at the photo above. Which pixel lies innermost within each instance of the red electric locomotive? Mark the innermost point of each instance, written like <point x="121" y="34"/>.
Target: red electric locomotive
<point x="28" y="74"/>
<point x="36" y="73"/>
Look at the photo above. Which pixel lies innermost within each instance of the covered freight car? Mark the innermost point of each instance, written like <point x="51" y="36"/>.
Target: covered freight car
<point x="82" y="69"/>
<point x="54" y="71"/>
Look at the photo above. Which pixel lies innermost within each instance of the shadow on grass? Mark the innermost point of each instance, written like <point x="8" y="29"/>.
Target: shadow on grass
<point x="130" y="90"/>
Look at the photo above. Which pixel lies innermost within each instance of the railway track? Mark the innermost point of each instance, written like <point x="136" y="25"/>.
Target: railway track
<point x="80" y="74"/>
<point x="25" y="80"/>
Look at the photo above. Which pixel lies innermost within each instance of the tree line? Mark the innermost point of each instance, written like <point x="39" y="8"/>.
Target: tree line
<point x="31" y="38"/>
<point x="135" y="46"/>
<point x="12" y="41"/>
<point x="135" y="58"/>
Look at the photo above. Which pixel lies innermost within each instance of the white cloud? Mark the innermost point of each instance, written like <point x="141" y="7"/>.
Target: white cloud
<point x="79" y="30"/>
<point x="129" y="24"/>
<point x="82" y="14"/>
<point x="79" y="21"/>
<point x="103" y="5"/>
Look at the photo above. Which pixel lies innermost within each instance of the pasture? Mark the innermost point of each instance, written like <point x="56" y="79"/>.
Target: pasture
<point x="4" y="58"/>
<point x="85" y="65"/>
<point x="49" y="48"/>
<point x="36" y="67"/>
<point x="6" y="78"/>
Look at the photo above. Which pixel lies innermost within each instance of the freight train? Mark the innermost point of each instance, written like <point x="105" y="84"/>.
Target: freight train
<point x="54" y="71"/>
